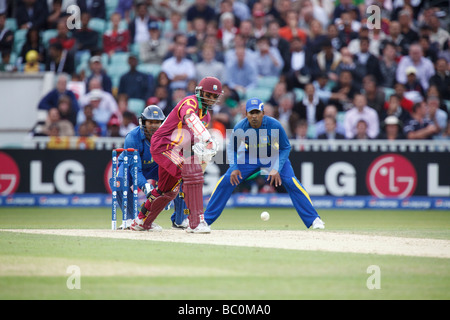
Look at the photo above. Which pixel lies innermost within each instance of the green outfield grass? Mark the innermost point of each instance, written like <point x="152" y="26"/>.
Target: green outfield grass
<point x="35" y="266"/>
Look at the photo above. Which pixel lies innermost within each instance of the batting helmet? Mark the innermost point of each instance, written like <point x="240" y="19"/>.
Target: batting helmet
<point x="211" y="85"/>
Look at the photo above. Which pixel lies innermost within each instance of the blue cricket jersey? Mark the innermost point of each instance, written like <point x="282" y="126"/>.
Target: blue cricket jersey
<point x="147" y="168"/>
<point x="267" y="146"/>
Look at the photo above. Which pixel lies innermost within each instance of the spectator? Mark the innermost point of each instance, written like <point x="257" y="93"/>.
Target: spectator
<point x="196" y="39"/>
<point x="406" y="29"/>
<point x="388" y="65"/>
<point x="291" y="30"/>
<point x="33" y="42"/>
<point x="412" y="83"/>
<point x="56" y="13"/>
<point x="344" y="91"/>
<point x="6" y="35"/>
<point x="86" y="38"/>
<point x="179" y="69"/>
<point x="155" y="49"/>
<point x="280" y="43"/>
<point x="436" y="115"/>
<point x="286" y="115"/>
<point x="392" y="129"/>
<point x="361" y="111"/>
<point x="136" y="84"/>
<point x="348" y="63"/>
<point x="259" y="24"/>
<point x="89" y="127"/>
<point x="346" y="34"/>
<point x="124" y="9"/>
<point x="103" y="103"/>
<point x="405" y="103"/>
<point x="438" y="34"/>
<point x="268" y="59"/>
<point x="300" y="131"/>
<point x="323" y="87"/>
<point x="246" y="32"/>
<point x="113" y="129"/>
<point x="396" y="37"/>
<point x="66" y="110"/>
<point x="366" y="62"/>
<point x="200" y="8"/>
<point x="31" y="13"/>
<point x="424" y="67"/>
<point x="50" y="100"/>
<point x="278" y="91"/>
<point x="299" y="73"/>
<point x="361" y="130"/>
<point x="57" y="141"/>
<point x="115" y="39"/>
<point x="209" y="66"/>
<point x="345" y="6"/>
<point x="316" y="38"/>
<point x="419" y="127"/>
<point x="98" y="72"/>
<point x="330" y="133"/>
<point x="430" y="51"/>
<point x="63" y="36"/>
<point x="326" y="61"/>
<point x="96" y="8"/>
<point x="441" y="79"/>
<point x="395" y="109"/>
<point x="375" y="96"/>
<point x="85" y="140"/>
<point x="173" y="26"/>
<point x="330" y="111"/>
<point x="65" y="127"/>
<point x="128" y="123"/>
<point x="139" y="26"/>
<point x="310" y="108"/>
<point x="241" y="74"/>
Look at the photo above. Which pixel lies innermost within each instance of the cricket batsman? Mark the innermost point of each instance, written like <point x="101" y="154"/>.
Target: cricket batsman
<point x="139" y="139"/>
<point x="183" y="130"/>
<point x="259" y="143"/>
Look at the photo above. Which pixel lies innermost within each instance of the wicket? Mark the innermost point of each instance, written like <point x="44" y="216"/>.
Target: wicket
<point x="116" y="185"/>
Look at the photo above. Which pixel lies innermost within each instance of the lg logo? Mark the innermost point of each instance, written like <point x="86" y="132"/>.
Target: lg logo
<point x="391" y="175"/>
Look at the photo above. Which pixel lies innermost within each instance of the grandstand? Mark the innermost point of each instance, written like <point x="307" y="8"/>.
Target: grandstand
<point x="427" y="21"/>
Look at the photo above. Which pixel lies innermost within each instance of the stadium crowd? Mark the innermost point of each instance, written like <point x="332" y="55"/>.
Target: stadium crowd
<point x="326" y="69"/>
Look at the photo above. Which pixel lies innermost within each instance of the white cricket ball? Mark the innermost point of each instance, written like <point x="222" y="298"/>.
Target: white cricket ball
<point x="265" y="216"/>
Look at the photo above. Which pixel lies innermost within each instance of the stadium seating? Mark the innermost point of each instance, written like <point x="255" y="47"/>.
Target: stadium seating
<point x="20" y="37"/>
<point x="136" y="106"/>
<point x="268" y="82"/>
<point x="150" y="68"/>
<point x="262" y="93"/>
<point x="47" y="35"/>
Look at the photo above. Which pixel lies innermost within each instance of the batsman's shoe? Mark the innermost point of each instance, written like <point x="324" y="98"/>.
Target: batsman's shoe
<point x="155" y="228"/>
<point x="137" y="225"/>
<point x="201" y="228"/>
<point x="318" y="224"/>
<point x="181" y="226"/>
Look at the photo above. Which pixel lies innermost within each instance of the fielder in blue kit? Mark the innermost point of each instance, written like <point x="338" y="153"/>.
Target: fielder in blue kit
<point x="139" y="139"/>
<point x="259" y="143"/>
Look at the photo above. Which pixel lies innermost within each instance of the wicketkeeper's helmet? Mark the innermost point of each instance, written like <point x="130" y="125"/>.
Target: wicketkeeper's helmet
<point x="152" y="112"/>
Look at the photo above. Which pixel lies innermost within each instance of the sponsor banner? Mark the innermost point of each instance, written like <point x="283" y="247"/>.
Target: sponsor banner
<point x="237" y="200"/>
<point x="339" y="174"/>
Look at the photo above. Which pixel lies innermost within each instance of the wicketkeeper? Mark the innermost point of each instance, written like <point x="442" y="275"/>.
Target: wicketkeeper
<point x="183" y="130"/>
